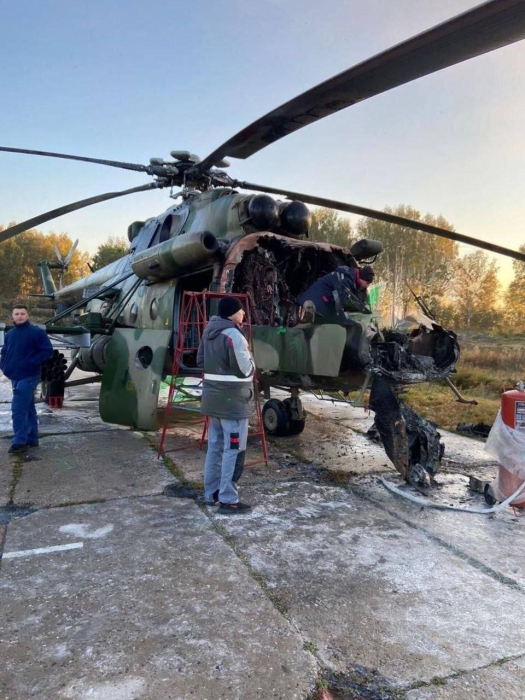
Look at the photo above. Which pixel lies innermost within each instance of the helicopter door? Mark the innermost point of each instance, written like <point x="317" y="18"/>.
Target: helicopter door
<point x="131" y="381"/>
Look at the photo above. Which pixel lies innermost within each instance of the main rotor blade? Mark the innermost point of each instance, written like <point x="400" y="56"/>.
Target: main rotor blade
<point x="55" y="213"/>
<point x="484" y="28"/>
<point x="112" y="163"/>
<point x="384" y="216"/>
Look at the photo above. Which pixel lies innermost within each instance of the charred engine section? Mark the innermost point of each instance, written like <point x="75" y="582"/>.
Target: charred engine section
<point x="429" y="352"/>
<point x="412" y="443"/>
<point x="274" y="274"/>
<point x="262" y="213"/>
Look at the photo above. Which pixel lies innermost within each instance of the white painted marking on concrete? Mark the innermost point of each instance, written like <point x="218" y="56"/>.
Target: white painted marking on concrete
<point x="85" y="531"/>
<point x="127" y="689"/>
<point x="42" y="550"/>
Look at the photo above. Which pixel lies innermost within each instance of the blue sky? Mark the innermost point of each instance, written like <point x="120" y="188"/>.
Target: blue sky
<point x="132" y="79"/>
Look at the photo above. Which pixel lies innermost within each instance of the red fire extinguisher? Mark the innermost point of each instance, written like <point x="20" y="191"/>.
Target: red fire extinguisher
<point x="513" y="415"/>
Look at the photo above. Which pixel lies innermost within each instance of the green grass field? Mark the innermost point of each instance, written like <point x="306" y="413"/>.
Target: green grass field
<point x="488" y="366"/>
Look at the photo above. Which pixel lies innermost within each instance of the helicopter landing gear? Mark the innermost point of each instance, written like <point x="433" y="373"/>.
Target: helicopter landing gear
<point x="297" y="415"/>
<point x="276" y="419"/>
<point x="286" y="417"/>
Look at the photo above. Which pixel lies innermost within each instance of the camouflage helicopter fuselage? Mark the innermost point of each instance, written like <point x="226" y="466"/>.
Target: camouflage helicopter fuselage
<point x="223" y="241"/>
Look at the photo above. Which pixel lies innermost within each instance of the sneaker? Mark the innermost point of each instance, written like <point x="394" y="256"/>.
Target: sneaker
<point x="33" y="444"/>
<point x="16" y="448"/>
<point x="233" y="508"/>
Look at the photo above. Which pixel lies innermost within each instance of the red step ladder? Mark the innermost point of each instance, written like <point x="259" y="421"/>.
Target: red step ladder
<point x="193" y="319"/>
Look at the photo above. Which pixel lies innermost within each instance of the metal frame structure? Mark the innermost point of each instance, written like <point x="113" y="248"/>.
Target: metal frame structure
<point x="192" y="322"/>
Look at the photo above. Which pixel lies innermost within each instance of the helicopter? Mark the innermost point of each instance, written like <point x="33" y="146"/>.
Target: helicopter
<point x="222" y="237"/>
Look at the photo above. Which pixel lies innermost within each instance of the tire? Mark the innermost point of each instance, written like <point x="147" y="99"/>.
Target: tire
<point x="296" y="426"/>
<point x="276" y="419"/>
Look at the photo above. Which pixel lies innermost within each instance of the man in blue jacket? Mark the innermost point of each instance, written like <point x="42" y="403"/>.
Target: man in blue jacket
<point x="26" y="347"/>
<point x="344" y="289"/>
<point x="228" y="399"/>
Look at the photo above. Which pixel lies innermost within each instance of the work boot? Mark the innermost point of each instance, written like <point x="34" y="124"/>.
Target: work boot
<point x="233" y="508"/>
<point x="16" y="448"/>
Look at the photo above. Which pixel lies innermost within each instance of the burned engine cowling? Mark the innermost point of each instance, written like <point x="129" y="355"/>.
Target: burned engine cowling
<point x="427" y="352"/>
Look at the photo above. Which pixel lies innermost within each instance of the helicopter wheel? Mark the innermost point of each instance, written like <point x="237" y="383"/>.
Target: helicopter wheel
<point x="276" y="419"/>
<point x="296" y="426"/>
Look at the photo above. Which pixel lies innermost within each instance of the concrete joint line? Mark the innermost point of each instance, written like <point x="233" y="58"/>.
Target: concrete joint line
<point x="469" y="559"/>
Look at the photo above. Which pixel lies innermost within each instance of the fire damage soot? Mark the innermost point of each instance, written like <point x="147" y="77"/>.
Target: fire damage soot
<point x="273" y="272"/>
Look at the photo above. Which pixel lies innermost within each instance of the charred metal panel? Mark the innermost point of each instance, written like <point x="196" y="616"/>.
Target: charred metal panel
<point x="411" y="442"/>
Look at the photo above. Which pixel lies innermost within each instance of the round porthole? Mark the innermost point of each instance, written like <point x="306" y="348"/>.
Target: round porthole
<point x="144" y="357"/>
<point x="154" y="309"/>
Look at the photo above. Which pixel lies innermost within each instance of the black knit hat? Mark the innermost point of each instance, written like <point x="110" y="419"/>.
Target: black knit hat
<point x="366" y="274"/>
<point x="229" y="306"/>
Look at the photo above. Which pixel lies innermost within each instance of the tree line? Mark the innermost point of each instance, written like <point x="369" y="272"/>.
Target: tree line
<point x="19" y="258"/>
<point x="463" y="291"/>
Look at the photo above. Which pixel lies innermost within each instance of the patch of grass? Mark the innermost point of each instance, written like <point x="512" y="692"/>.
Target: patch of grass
<point x="90" y="502"/>
<point x="437" y="403"/>
<point x="17" y="475"/>
<point x="488" y="366"/>
<point x="311" y="647"/>
<point x="170" y="465"/>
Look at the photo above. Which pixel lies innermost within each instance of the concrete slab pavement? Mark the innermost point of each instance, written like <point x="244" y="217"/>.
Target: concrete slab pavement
<point x="81" y="467"/>
<point x="329" y="578"/>
<point x="361" y="585"/>
<point x="154" y="604"/>
<point x="492" y="543"/>
<point x="494" y="683"/>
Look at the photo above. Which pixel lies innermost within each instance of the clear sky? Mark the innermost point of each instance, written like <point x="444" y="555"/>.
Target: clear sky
<point x="131" y="79"/>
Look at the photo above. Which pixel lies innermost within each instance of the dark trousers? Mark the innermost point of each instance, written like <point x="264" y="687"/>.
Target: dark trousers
<point x="23" y="412"/>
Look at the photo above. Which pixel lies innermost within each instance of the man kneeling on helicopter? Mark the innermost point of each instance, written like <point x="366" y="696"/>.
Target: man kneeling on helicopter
<point x="344" y="289"/>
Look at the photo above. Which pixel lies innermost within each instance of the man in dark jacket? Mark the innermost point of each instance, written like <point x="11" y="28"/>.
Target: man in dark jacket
<point x="26" y="347"/>
<point x="227" y="398"/>
<point x="340" y="290"/>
